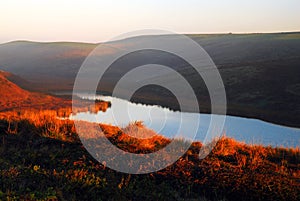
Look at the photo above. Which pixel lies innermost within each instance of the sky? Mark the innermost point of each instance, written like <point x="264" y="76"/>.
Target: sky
<point x="99" y="20"/>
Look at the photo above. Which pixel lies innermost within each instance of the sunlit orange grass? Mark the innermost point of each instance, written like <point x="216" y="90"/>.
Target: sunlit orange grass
<point x="138" y="130"/>
<point x="242" y="155"/>
<point x="145" y="140"/>
<point x="37" y="117"/>
<point x="238" y="154"/>
<point x="46" y="122"/>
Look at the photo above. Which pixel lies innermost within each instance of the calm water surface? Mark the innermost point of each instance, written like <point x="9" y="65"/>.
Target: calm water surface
<point x="167" y="122"/>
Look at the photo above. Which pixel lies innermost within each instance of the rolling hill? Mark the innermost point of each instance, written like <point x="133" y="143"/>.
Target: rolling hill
<point x="260" y="72"/>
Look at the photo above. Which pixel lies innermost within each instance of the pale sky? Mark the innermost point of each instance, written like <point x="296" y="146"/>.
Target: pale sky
<point x="98" y="20"/>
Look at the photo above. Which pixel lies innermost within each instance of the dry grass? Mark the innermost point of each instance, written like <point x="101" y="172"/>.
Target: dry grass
<point x="233" y="170"/>
<point x="135" y="138"/>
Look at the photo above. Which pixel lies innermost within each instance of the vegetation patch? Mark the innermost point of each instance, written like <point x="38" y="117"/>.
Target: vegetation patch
<point x="42" y="158"/>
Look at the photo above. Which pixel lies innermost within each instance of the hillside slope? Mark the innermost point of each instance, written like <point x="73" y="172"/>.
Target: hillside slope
<point x="47" y="157"/>
<point x="260" y="72"/>
<point x="14" y="97"/>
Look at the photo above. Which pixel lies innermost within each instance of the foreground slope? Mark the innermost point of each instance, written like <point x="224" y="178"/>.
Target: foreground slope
<point x="47" y="157"/>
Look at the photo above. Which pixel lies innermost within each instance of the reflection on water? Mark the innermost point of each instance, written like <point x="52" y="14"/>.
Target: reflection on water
<point x="167" y="123"/>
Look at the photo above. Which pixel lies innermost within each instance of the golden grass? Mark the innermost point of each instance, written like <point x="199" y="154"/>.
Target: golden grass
<point x="232" y="166"/>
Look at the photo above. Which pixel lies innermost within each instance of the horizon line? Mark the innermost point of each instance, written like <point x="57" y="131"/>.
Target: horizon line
<point x="192" y="33"/>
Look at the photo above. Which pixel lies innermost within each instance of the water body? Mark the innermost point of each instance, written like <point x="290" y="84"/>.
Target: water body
<point x="168" y="123"/>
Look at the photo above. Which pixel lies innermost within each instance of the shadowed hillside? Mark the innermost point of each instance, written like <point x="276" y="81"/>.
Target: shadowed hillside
<point x="260" y="71"/>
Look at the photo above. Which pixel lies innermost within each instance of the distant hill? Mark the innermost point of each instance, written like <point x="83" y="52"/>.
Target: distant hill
<point x="260" y="71"/>
<point x="45" y="64"/>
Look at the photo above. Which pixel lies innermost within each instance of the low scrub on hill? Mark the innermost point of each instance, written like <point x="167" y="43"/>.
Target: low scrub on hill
<point x="42" y="158"/>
